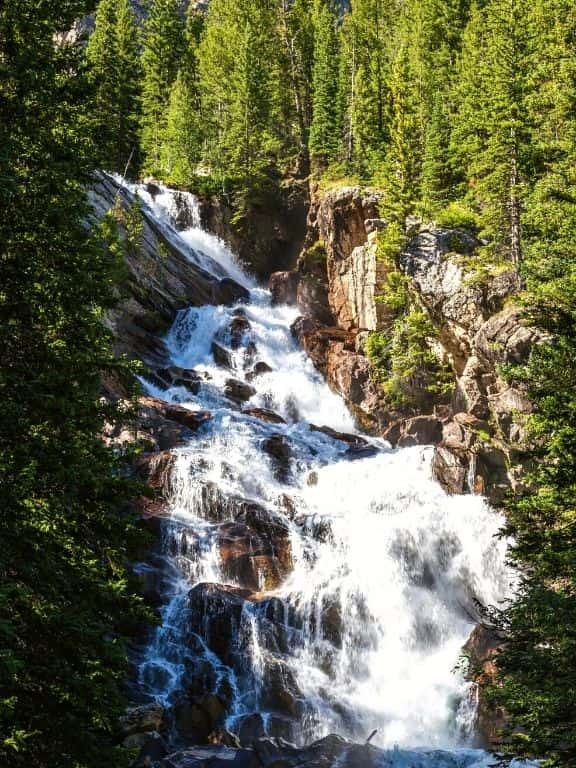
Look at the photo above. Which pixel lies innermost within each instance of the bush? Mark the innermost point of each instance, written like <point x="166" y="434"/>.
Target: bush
<point x="457" y="216"/>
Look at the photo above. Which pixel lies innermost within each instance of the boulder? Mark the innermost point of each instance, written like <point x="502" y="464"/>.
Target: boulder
<point x="238" y="391"/>
<point x="172" y="376"/>
<point x="278" y="448"/>
<point x="142" y="719"/>
<point x="351" y="440"/>
<point x="482" y="647"/>
<point x="450" y="470"/>
<point x="254" y="559"/>
<point x="264" y="414"/>
<point x="260" y="368"/>
<point x="228" y="292"/>
<point x="284" y="287"/>
<point x="221" y="355"/>
<point x="238" y="328"/>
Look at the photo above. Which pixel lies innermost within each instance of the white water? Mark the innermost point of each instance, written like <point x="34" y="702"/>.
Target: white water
<point x="377" y="547"/>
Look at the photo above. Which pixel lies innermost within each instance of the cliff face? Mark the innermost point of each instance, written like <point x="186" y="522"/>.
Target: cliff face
<point x="339" y="284"/>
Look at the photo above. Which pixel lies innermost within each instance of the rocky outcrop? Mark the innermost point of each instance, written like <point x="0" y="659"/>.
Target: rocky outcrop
<point x="160" y="278"/>
<point x="337" y="284"/>
<point x="481" y="651"/>
<point x="271" y="234"/>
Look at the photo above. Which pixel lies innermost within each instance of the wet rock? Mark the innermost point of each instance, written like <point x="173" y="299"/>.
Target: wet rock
<point x="225" y="738"/>
<point x="352" y="440"/>
<point x="156" y="469"/>
<point x="160" y="280"/>
<point x="218" y="609"/>
<point x="449" y="470"/>
<point x="142" y="719"/>
<point x="238" y="391"/>
<point x="259" y="369"/>
<point x="252" y="559"/>
<point x="356" y="452"/>
<point x="192" y="420"/>
<point x="278" y="448"/>
<point x="482" y="648"/>
<point x="284" y="287"/>
<point x="228" y="292"/>
<point x="151" y="746"/>
<point x="264" y="414"/>
<point x="178" y="377"/>
<point x="212" y="756"/>
<point x="420" y="430"/>
<point x="238" y="328"/>
<point x="251" y="728"/>
<point x="221" y="355"/>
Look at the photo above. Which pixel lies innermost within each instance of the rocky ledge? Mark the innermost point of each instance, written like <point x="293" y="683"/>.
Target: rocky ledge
<point x="339" y="286"/>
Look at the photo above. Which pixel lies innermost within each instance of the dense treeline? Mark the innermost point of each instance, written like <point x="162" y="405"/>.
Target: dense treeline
<point x="65" y="599"/>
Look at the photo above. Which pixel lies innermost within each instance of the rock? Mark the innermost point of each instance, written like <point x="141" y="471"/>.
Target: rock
<point x="173" y="376"/>
<point x="212" y="756"/>
<point x="161" y="279"/>
<point x="225" y="738"/>
<point x="482" y="647"/>
<point x="264" y="415"/>
<point x="142" y="719"/>
<point x="278" y="448"/>
<point x="151" y="746"/>
<point x="228" y="292"/>
<point x="192" y="420"/>
<point x="219" y="610"/>
<point x="284" y="287"/>
<point x="238" y="390"/>
<point x="421" y="430"/>
<point x="155" y="469"/>
<point x="254" y="559"/>
<point x="222" y="356"/>
<point x="259" y="369"/>
<point x="238" y="328"/>
<point x="352" y="440"/>
<point x="449" y="470"/>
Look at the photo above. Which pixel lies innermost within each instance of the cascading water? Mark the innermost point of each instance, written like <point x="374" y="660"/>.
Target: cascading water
<point x="318" y="582"/>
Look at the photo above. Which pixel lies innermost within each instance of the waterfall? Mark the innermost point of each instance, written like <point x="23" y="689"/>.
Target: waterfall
<point x="317" y="580"/>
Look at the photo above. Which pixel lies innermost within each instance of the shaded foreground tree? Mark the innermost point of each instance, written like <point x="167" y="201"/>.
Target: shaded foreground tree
<point x="65" y="600"/>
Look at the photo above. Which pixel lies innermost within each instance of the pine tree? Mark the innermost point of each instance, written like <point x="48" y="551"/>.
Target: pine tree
<point x="65" y="598"/>
<point x="401" y="170"/>
<point x="238" y="64"/>
<point x="326" y="128"/>
<point x="113" y="58"/>
<point x="368" y="35"/>
<point x="182" y="141"/>
<point x="164" y="46"/>
<point x="491" y="126"/>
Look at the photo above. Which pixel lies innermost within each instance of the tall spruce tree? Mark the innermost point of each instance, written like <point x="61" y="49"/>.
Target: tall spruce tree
<point x="65" y="601"/>
<point x="164" y="47"/>
<point x="182" y="141"/>
<point x="238" y="64"/>
<point x="112" y="54"/>
<point x="491" y="127"/>
<point x="326" y="128"/>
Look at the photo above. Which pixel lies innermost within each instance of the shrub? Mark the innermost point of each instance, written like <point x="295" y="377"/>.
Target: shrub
<point x="457" y="216"/>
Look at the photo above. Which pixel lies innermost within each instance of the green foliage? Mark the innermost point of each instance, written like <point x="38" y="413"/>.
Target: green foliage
<point x="112" y="54"/>
<point x="456" y="215"/>
<point x="66" y="599"/>
<point x="326" y="128"/>
<point x="164" y="48"/>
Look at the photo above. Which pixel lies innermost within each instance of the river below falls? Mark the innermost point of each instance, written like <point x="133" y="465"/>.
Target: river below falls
<point x="314" y="582"/>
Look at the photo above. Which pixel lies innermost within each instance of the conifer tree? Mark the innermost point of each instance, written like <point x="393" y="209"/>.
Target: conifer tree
<point x="491" y="126"/>
<point x="182" y="140"/>
<point x="113" y="58"/>
<point x="368" y="35"/>
<point x="238" y="67"/>
<point x="164" y="46"/>
<point x="326" y="128"/>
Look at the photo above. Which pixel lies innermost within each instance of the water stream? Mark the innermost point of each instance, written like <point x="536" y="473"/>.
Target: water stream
<point x="315" y="584"/>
